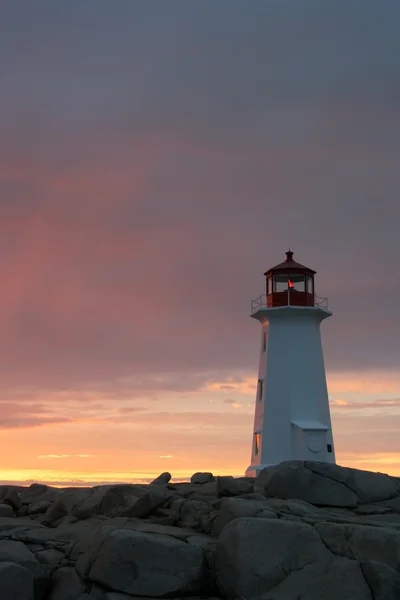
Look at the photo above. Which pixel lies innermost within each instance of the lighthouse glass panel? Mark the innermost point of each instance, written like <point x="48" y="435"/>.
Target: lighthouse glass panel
<point x="257" y="443"/>
<point x="280" y="283"/>
<point x="297" y="282"/>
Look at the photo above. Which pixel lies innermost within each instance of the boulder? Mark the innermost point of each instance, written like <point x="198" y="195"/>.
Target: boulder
<point x="155" y="496"/>
<point x="325" y="484"/>
<point x="50" y="556"/>
<point x="382" y="579"/>
<point x="195" y="490"/>
<point x="341" y="579"/>
<point x="372" y="487"/>
<point x="162" y="479"/>
<point x="38" y="507"/>
<point x="280" y="560"/>
<point x="16" y="552"/>
<point x="38" y="492"/>
<point x="393" y="504"/>
<point x="229" y="486"/>
<point x="66" y="584"/>
<point x="14" y="525"/>
<point x="234" y="508"/>
<point x="297" y="508"/>
<point x="144" y="564"/>
<point x="255" y="555"/>
<point x="12" y="551"/>
<point x="296" y="480"/>
<point x="64" y="505"/>
<point x="195" y="514"/>
<point x="94" y="593"/>
<point x="16" y="582"/>
<point x="6" y="510"/>
<point x="110" y="500"/>
<point x="362" y="542"/>
<point x="201" y="478"/>
<point x="9" y="495"/>
<point x="180" y="533"/>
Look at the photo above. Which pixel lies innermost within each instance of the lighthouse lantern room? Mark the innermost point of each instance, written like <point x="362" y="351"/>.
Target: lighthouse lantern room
<point x="292" y="418"/>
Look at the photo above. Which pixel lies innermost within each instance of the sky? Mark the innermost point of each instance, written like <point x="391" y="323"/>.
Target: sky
<point x="155" y="159"/>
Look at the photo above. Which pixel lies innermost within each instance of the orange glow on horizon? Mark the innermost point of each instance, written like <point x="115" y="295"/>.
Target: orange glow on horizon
<point x="388" y="463"/>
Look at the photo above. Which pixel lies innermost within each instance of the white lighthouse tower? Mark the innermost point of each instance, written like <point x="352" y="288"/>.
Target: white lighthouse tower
<point x="292" y="419"/>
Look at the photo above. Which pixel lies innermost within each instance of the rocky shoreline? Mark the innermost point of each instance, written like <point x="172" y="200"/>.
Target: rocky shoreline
<point x="300" y="531"/>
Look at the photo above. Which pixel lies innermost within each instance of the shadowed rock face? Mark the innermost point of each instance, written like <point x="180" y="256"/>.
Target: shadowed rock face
<point x="301" y="530"/>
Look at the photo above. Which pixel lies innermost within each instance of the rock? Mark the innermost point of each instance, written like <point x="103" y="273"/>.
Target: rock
<point x="371" y="487"/>
<point x="285" y="559"/>
<point x="255" y="555"/>
<point x="229" y="486"/>
<point x="392" y="503"/>
<point x="234" y="508"/>
<point x="300" y="528"/>
<point x="113" y="501"/>
<point x="295" y="480"/>
<point x="118" y="596"/>
<point x="194" y="490"/>
<point x="38" y="507"/>
<point x="341" y="579"/>
<point x="162" y="479"/>
<point x="16" y="552"/>
<point x="38" y="492"/>
<point x="325" y="484"/>
<point x="49" y="557"/>
<point x="196" y="515"/>
<point x="6" y="510"/>
<point x="63" y="506"/>
<point x="16" y="582"/>
<point x="10" y="525"/>
<point x="95" y="593"/>
<point x="156" y="496"/>
<point x="127" y="561"/>
<point x="9" y="495"/>
<point x="66" y="584"/>
<point x="179" y="533"/>
<point x="201" y="478"/>
<point x="361" y="542"/>
<point x="77" y="548"/>
<point x="382" y="579"/>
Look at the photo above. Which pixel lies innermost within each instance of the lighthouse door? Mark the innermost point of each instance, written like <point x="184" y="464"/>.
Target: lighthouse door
<point x="316" y="445"/>
<point x="309" y="440"/>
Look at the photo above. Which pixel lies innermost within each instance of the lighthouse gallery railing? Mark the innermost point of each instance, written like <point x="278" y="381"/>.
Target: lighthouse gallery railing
<point x="261" y="302"/>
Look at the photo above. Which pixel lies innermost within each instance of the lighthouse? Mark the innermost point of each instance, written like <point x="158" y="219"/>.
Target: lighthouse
<point x="292" y="419"/>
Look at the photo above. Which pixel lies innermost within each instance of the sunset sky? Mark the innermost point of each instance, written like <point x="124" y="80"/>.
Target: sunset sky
<point x="155" y="159"/>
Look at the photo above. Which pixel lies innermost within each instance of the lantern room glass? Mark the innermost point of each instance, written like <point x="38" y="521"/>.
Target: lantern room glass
<point x="284" y="281"/>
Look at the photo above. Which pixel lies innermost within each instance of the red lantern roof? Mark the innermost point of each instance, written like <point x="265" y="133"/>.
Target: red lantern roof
<point x="289" y="266"/>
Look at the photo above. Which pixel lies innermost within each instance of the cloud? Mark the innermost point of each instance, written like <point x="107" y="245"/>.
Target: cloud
<point x="65" y="455"/>
<point x="348" y="405"/>
<point x="31" y="421"/>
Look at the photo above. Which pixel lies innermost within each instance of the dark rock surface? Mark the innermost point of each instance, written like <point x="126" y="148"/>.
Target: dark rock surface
<point x="300" y="531"/>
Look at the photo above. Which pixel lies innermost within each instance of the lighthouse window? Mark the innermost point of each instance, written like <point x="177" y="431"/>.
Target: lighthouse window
<point x="264" y="341"/>
<point x="257" y="442"/>
<point x="329" y="448"/>
<point x="259" y="390"/>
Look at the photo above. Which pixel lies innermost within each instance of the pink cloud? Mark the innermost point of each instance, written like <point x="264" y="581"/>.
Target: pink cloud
<point x="357" y="405"/>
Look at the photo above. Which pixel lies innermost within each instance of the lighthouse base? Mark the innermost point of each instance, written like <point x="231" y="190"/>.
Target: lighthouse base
<point x="254" y="470"/>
